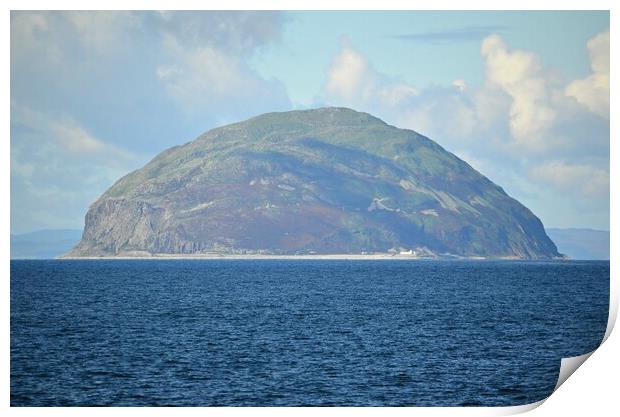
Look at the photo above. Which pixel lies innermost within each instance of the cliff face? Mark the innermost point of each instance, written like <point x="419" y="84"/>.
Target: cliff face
<point x="329" y="180"/>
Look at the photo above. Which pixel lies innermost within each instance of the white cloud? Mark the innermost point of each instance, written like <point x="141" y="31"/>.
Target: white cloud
<point x="520" y="110"/>
<point x="165" y="73"/>
<point x="593" y="91"/>
<point x="63" y="136"/>
<point x="515" y="94"/>
<point x="350" y="76"/>
<point x="210" y="78"/>
<point x="396" y="94"/>
<point x="440" y="114"/>
<point x="352" y="81"/>
<point x="518" y="74"/>
<point x="492" y="110"/>
<point x="578" y="179"/>
<point x="459" y="84"/>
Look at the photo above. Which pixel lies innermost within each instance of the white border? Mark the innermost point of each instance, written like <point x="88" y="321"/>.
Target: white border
<point x="594" y="387"/>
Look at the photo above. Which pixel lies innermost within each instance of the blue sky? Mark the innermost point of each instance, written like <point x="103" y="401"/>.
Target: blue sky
<point x="414" y="45"/>
<point x="522" y="96"/>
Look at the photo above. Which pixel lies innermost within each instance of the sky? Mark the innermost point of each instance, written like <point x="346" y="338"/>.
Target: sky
<point x="523" y="97"/>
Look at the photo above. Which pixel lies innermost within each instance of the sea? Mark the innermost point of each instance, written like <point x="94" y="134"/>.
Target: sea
<point x="299" y="332"/>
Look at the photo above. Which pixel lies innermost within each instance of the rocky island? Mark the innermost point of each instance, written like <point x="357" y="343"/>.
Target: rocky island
<point x="328" y="181"/>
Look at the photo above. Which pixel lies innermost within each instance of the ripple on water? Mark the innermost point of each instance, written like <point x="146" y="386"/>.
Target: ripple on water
<point x="206" y="333"/>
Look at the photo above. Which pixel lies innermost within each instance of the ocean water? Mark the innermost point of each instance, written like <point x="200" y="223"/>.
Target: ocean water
<point x="299" y="333"/>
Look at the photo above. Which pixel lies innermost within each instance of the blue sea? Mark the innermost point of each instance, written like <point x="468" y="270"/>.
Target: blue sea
<point x="299" y="333"/>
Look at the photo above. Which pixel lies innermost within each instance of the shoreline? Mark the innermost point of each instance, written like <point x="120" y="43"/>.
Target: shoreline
<point x="326" y="257"/>
<point x="251" y="257"/>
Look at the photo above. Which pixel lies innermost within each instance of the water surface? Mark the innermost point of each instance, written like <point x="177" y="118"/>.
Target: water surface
<point x="297" y="333"/>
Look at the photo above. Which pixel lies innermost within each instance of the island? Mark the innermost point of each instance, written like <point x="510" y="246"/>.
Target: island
<point x="327" y="182"/>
